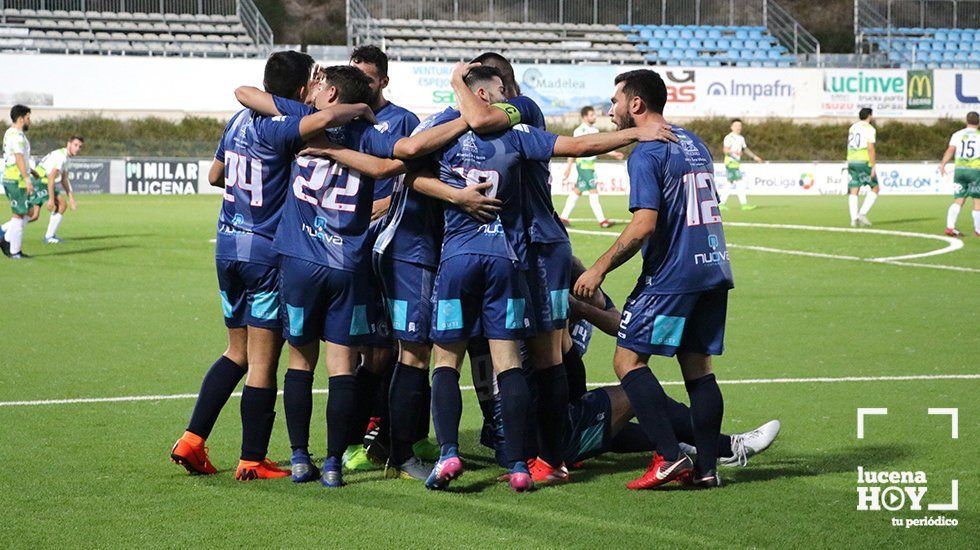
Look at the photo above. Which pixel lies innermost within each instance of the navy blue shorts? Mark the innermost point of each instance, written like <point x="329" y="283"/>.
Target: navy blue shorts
<point x="249" y="294"/>
<point x="588" y="432"/>
<point x="408" y="295"/>
<point x="322" y="303"/>
<point x="381" y="337"/>
<point x="549" y="281"/>
<point x="480" y="295"/>
<point x="664" y="324"/>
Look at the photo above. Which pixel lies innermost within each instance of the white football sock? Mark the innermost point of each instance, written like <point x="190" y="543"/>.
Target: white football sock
<point x="15" y="235"/>
<point x="53" y="224"/>
<point x="569" y="206"/>
<point x="852" y="204"/>
<point x="741" y="195"/>
<point x="869" y="201"/>
<point x="951" y="215"/>
<point x="724" y="193"/>
<point x="596" y="207"/>
<point x="976" y="221"/>
<point x="6" y="226"/>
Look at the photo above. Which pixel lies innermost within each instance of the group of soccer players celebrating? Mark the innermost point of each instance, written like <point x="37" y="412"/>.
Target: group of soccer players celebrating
<point x="404" y="245"/>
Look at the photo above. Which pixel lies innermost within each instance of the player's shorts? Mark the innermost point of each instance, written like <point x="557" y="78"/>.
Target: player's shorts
<point x="480" y="295"/>
<point x="408" y="294"/>
<point x="41" y="194"/>
<point x="549" y="280"/>
<point x="664" y="324"/>
<point x="966" y="183"/>
<point x="734" y="173"/>
<point x="589" y="430"/>
<point x="323" y="303"/>
<point x="380" y="338"/>
<point x="249" y="294"/>
<point x="860" y="175"/>
<point x="17" y="195"/>
<point x="586" y="180"/>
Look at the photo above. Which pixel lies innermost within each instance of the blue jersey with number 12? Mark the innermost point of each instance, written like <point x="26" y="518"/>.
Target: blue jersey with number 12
<point x="687" y="252"/>
<point x="257" y="152"/>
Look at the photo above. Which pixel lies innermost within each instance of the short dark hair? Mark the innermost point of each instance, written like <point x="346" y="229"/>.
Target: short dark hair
<point x="586" y="110"/>
<point x="353" y="86"/>
<point x="373" y="55"/>
<point x="483" y="73"/>
<point x="73" y="138"/>
<point x="864" y="113"/>
<point x="286" y="72"/>
<point x="734" y="120"/>
<point x="18" y="111"/>
<point x="973" y="118"/>
<point x="646" y="85"/>
<point x="494" y="59"/>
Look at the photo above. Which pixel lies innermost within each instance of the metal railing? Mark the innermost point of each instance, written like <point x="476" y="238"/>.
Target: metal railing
<point x="255" y="25"/>
<point x="789" y="32"/>
<point x="955" y="14"/>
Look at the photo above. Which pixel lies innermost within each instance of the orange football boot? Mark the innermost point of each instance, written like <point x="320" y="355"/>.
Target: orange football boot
<point x="249" y="470"/>
<point x="545" y="474"/>
<point x="189" y="451"/>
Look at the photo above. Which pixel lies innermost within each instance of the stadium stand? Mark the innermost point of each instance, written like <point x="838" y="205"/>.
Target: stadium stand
<point x="235" y="29"/>
<point x="904" y="34"/>
<point x="756" y="33"/>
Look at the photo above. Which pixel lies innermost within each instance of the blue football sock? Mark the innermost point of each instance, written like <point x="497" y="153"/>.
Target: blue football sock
<point x="297" y="401"/>
<point x="218" y="385"/>
<point x="447" y="407"/>
<point x="341" y="413"/>
<point x="707" y="410"/>
<point x="648" y="400"/>
<point x="552" y="409"/>
<point x="515" y="400"/>
<point x="258" y="417"/>
<point x="405" y="399"/>
<point x="575" y="371"/>
<point x="367" y="391"/>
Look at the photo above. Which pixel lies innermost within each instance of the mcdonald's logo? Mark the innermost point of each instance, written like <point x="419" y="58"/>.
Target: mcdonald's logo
<point x="920" y="90"/>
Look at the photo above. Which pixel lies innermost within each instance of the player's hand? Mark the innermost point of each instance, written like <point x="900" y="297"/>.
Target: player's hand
<point x="367" y="114"/>
<point x="30" y="188"/>
<point x="656" y="132"/>
<point x="758" y="159"/>
<point x="874" y="173"/>
<point x="942" y="170"/>
<point x="617" y="155"/>
<point x="479" y="206"/>
<point x="71" y="201"/>
<point x="588" y="283"/>
<point x="323" y="149"/>
<point x="460" y="70"/>
<point x="50" y="204"/>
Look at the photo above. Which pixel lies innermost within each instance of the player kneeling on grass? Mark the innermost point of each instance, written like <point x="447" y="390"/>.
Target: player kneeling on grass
<point x="861" y="156"/>
<point x="965" y="145"/>
<point x="679" y="304"/>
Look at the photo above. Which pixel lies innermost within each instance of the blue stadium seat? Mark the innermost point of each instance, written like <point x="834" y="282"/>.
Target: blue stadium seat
<point x="737" y="44"/>
<point x="709" y="44"/>
<point x="694" y="43"/>
<point x="755" y="33"/>
<point x="741" y="34"/>
<point x="673" y="33"/>
<point x="714" y="33"/>
<point x="659" y="33"/>
<point x="646" y="33"/>
<point x="667" y="44"/>
<point x="690" y="54"/>
<point x="940" y="36"/>
<point x="681" y="43"/>
<point x="653" y="43"/>
<point x="687" y="33"/>
<point x="724" y="44"/>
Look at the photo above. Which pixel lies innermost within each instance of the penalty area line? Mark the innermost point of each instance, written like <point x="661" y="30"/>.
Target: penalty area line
<point x="737" y="381"/>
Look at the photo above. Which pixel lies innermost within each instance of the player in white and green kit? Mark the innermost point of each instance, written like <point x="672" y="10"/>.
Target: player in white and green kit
<point x="585" y="168"/>
<point x="965" y="145"/>
<point x="17" y="179"/>
<point x="861" y="167"/>
<point x="50" y="171"/>
<point x="735" y="147"/>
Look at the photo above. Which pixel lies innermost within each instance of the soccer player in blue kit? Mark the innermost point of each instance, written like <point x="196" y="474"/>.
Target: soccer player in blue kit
<point x="481" y="287"/>
<point x="680" y="301"/>
<point x="252" y="164"/>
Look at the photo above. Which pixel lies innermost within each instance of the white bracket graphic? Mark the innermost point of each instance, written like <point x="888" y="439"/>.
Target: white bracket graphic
<point x="955" y="419"/>
<point x="955" y="499"/>
<point x="861" y="415"/>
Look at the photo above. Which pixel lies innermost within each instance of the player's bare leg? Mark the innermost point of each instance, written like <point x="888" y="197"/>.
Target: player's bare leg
<point x="953" y="213"/>
<point x="551" y="382"/>
<point x="259" y="405"/>
<point x="976" y="217"/>
<point x="341" y="363"/>
<point x="297" y="399"/>
<point x="447" y="409"/>
<point x="515" y="399"/>
<point x="220" y="381"/>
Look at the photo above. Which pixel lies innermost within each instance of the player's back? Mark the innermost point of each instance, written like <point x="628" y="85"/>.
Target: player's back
<point x="15" y="141"/>
<point x="397" y="121"/>
<point x="859" y="135"/>
<point x="496" y="159"/>
<point x="687" y="252"/>
<point x="328" y="208"/>
<point x="257" y="152"/>
<point x="967" y="143"/>
<point x="543" y="224"/>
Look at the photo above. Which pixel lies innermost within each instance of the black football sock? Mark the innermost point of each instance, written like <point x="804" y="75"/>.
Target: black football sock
<point x="552" y="408"/>
<point x="367" y="391"/>
<point x="297" y="401"/>
<point x="680" y="420"/>
<point x="515" y="399"/>
<point x="447" y="407"/>
<point x="219" y="383"/>
<point x="405" y="398"/>
<point x="575" y="370"/>
<point x="381" y="408"/>
<point x="258" y="416"/>
<point x="707" y="410"/>
<point x="648" y="400"/>
<point x="631" y="439"/>
<point x="341" y="413"/>
<point x="725" y="446"/>
<point x="425" y="407"/>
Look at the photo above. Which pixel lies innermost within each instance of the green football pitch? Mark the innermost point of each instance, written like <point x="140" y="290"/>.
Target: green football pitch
<point x="106" y="336"/>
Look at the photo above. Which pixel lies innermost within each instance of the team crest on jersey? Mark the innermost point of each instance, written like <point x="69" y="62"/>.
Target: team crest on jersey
<point x="469" y="150"/>
<point x="382" y="127"/>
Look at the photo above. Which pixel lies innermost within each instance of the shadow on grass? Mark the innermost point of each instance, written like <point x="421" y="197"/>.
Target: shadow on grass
<point x="905" y="220"/>
<point x="108" y="237"/>
<point x="87" y="251"/>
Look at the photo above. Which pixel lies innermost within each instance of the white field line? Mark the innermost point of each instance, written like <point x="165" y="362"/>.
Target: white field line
<point x="737" y="381"/>
<point x="952" y="244"/>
